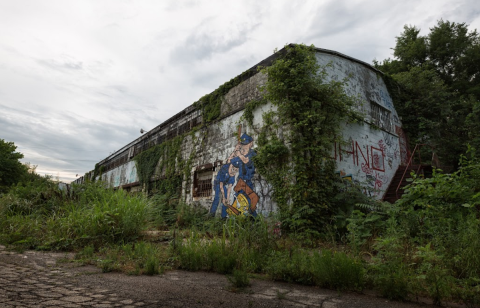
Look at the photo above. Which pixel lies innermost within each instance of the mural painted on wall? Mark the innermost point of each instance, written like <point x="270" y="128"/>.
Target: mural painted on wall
<point x="133" y="174"/>
<point x="243" y="191"/>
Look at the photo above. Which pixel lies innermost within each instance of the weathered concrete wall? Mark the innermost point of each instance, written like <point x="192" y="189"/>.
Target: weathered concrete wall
<point x="362" y="82"/>
<point x="122" y="175"/>
<point x="237" y="97"/>
<point x="369" y="156"/>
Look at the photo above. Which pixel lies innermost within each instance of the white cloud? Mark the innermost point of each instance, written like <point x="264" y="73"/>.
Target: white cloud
<point x="78" y="79"/>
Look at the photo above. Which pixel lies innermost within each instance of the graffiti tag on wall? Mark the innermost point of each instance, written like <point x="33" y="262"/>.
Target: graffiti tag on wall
<point x="371" y="160"/>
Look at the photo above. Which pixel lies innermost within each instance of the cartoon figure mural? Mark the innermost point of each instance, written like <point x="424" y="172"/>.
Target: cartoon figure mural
<point x="223" y="185"/>
<point x="241" y="161"/>
<point x="242" y="157"/>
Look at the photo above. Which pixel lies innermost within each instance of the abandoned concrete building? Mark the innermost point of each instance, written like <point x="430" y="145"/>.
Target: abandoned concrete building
<point x="375" y="147"/>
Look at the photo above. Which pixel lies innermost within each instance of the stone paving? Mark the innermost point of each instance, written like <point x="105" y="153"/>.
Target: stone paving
<point x="22" y="285"/>
<point x="37" y="279"/>
<point x="24" y="282"/>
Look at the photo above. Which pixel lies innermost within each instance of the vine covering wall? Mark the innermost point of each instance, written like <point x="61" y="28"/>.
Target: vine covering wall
<point x="309" y="113"/>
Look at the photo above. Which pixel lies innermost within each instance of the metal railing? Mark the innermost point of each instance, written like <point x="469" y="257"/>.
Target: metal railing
<point x="417" y="146"/>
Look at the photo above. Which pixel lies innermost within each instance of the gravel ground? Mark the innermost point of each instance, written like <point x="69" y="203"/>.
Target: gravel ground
<point x="37" y="279"/>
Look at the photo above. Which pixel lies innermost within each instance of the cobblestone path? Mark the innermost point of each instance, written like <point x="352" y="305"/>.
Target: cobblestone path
<point x="37" y="279"/>
<point x="24" y="285"/>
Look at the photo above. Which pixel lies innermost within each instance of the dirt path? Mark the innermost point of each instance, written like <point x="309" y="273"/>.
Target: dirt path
<point x="37" y="279"/>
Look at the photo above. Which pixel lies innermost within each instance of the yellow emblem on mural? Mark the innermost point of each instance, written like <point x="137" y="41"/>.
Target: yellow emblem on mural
<point x="241" y="205"/>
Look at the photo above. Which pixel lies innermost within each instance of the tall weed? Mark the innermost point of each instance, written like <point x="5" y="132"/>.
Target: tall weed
<point x="329" y="269"/>
<point x="92" y="214"/>
<point x="133" y="258"/>
<point x="167" y="211"/>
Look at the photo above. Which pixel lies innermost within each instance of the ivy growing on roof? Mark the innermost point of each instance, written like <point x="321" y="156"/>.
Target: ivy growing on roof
<point x="211" y="104"/>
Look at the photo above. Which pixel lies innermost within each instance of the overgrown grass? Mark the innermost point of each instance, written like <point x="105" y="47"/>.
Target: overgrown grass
<point x="132" y="258"/>
<point x="424" y="245"/>
<point x="167" y="212"/>
<point x="330" y="269"/>
<point x="242" y="245"/>
<point x="239" y="279"/>
<point x="252" y="246"/>
<point x="92" y="215"/>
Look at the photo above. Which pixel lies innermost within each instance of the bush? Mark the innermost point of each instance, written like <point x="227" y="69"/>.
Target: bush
<point x="152" y="266"/>
<point x="107" y="216"/>
<point x="167" y="211"/>
<point x="239" y="278"/>
<point x="429" y="244"/>
<point x="39" y="195"/>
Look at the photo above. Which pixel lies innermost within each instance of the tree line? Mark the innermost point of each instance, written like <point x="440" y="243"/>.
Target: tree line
<point x="439" y="78"/>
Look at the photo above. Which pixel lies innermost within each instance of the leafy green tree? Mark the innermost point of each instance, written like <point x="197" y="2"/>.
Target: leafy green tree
<point x="11" y="169"/>
<point x="439" y="73"/>
<point x="411" y="48"/>
<point x="472" y="124"/>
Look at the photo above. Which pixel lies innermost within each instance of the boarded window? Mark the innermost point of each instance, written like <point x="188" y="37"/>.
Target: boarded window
<point x="185" y="127"/>
<point x="380" y="117"/>
<point x="160" y="138"/>
<point x="196" y="121"/>
<point x="202" y="183"/>
<point x="172" y="133"/>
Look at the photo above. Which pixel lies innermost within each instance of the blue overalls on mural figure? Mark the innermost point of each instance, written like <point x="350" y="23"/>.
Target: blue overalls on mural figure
<point x="242" y="158"/>
<point x="223" y="185"/>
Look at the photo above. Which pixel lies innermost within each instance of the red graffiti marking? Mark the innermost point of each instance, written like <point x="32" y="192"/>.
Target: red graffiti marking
<point x="366" y="169"/>
<point x="365" y="158"/>
<point x="382" y="146"/>
<point x="373" y="159"/>
<point x="380" y="179"/>
<point x="378" y="162"/>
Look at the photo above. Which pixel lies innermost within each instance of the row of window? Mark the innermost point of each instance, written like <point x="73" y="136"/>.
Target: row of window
<point x="380" y="117"/>
<point x="154" y="140"/>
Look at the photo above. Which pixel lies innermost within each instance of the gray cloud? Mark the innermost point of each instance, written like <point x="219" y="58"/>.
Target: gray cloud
<point x="62" y="66"/>
<point x="201" y="46"/>
<point x="334" y="17"/>
<point x="85" y="79"/>
<point x="76" y="145"/>
<point x="206" y="41"/>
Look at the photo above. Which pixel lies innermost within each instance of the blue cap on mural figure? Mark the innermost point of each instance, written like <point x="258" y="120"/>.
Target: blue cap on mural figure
<point x="245" y="139"/>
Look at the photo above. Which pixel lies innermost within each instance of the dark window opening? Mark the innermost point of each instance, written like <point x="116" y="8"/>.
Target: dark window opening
<point x="160" y="139"/>
<point x="202" y="183"/>
<point x="380" y="116"/>
<point x="172" y="133"/>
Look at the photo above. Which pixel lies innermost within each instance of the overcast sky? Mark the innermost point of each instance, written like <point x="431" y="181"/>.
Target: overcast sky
<point x="78" y="79"/>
